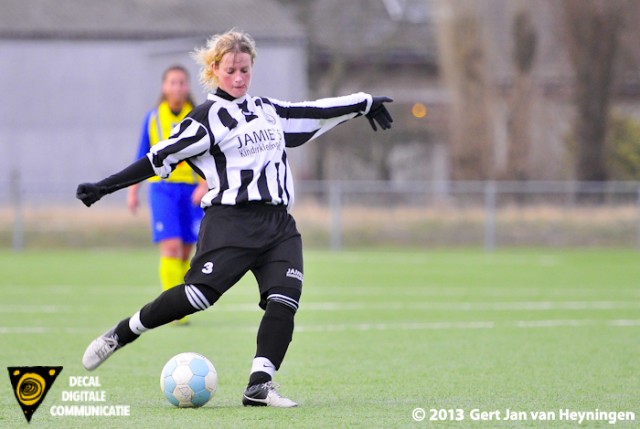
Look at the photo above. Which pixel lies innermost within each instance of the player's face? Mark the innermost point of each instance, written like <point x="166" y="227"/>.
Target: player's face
<point x="234" y="73"/>
<point x="175" y="87"/>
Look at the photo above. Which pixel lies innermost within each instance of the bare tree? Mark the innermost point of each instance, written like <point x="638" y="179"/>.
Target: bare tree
<point x="593" y="29"/>
<point x="519" y="120"/>
<point x="463" y="58"/>
<point x="324" y="81"/>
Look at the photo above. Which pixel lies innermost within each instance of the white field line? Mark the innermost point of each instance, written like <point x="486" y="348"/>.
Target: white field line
<point x="34" y="309"/>
<point x="21" y="330"/>
<point x="406" y="326"/>
<point x="451" y="306"/>
<point x="90" y="290"/>
<point x="436" y="326"/>
<point x="366" y="327"/>
<point x="625" y="322"/>
<point x="383" y="306"/>
<point x="413" y="292"/>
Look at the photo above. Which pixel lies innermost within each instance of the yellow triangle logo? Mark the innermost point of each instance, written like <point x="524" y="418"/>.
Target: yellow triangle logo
<point x="31" y="384"/>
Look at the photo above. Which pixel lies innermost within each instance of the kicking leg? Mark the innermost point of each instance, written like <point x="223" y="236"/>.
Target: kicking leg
<point x="170" y="305"/>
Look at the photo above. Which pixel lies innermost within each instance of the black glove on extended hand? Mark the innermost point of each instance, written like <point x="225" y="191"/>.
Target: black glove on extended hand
<point x="89" y="193"/>
<point x="140" y="170"/>
<point x="379" y="113"/>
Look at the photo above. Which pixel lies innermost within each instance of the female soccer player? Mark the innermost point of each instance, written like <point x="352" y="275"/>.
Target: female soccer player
<point x="237" y="144"/>
<point x="174" y="201"/>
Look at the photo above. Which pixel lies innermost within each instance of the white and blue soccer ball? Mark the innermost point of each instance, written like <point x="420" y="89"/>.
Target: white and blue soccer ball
<point x="188" y="380"/>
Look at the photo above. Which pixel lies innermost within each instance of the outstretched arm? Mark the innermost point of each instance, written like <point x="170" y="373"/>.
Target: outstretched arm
<point x="189" y="139"/>
<point x="303" y="122"/>
<point x="140" y="170"/>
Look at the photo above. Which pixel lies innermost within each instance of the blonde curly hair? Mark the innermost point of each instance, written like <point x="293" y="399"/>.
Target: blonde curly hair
<point x="217" y="46"/>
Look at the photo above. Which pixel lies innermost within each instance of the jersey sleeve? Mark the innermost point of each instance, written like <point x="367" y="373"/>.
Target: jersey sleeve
<point x="304" y="121"/>
<point x="144" y="144"/>
<point x="188" y="139"/>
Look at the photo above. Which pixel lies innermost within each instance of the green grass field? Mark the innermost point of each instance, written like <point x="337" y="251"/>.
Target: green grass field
<point x="379" y="334"/>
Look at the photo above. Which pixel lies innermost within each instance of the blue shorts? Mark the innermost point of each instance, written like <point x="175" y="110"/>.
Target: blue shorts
<point x="173" y="215"/>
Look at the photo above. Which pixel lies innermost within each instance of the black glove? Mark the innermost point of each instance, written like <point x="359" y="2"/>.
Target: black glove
<point x="379" y="113"/>
<point x="89" y="193"/>
<point x="140" y="170"/>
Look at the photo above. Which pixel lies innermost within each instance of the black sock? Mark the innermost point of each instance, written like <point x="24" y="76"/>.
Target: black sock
<point x="170" y="305"/>
<point x="124" y="333"/>
<point x="258" y="377"/>
<point x="275" y="332"/>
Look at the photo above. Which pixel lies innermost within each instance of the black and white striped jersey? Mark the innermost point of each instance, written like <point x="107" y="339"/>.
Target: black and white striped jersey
<point x="239" y="146"/>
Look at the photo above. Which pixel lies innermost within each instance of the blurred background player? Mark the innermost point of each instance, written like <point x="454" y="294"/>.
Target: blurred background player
<point x="174" y="201"/>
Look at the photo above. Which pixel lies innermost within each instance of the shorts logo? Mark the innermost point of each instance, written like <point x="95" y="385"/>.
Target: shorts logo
<point x="208" y="268"/>
<point x="31" y="384"/>
<point x="295" y="274"/>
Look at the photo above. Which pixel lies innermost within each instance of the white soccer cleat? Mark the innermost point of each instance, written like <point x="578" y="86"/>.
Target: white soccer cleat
<point x="100" y="349"/>
<point x="266" y="395"/>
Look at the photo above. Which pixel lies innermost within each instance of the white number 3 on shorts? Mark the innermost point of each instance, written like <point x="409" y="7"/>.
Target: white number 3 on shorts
<point x="208" y="268"/>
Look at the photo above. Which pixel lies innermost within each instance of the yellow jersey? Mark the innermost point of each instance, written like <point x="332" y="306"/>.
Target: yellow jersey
<point x="157" y="127"/>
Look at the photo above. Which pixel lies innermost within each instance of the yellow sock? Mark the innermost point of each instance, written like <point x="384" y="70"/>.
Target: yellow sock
<point x="172" y="274"/>
<point x="185" y="267"/>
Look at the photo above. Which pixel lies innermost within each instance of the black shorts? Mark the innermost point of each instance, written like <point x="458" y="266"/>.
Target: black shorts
<point x="259" y="238"/>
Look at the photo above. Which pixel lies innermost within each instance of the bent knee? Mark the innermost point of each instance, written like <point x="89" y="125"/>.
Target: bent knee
<point x="286" y="296"/>
<point x="200" y="297"/>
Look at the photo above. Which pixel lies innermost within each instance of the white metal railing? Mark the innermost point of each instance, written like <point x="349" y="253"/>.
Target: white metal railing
<point x="338" y="197"/>
<point x="573" y="192"/>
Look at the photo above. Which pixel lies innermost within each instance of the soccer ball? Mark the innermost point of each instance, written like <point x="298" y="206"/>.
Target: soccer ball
<point x="188" y="380"/>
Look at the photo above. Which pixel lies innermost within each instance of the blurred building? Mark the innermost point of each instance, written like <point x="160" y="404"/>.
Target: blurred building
<point x="77" y="77"/>
<point x="383" y="47"/>
<point x="484" y="86"/>
<point x="507" y="62"/>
